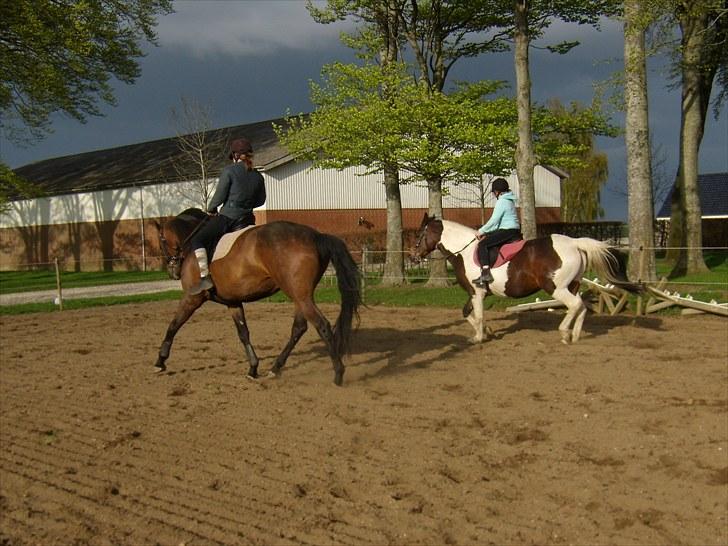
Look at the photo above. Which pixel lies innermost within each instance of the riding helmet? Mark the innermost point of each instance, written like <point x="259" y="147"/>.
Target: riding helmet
<point x="500" y="184"/>
<point x="241" y="146"/>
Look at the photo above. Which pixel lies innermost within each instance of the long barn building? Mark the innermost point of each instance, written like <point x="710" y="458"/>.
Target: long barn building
<point x="99" y="208"/>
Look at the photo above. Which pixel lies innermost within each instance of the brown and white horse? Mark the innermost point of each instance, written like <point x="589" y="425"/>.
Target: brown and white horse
<point x="554" y="264"/>
<point x="261" y="261"/>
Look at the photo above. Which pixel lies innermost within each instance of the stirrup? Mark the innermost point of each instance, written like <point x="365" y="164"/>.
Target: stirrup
<point x="204" y="284"/>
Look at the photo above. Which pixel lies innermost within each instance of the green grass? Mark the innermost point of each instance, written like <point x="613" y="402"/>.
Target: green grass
<point x="703" y="287"/>
<point x="29" y="281"/>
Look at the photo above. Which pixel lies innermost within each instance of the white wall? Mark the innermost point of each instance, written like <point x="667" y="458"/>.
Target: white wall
<point x="293" y="186"/>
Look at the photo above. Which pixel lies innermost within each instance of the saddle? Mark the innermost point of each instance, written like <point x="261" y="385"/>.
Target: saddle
<point x="226" y="241"/>
<point x="503" y="253"/>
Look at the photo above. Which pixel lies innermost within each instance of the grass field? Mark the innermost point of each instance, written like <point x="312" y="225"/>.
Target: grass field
<point x="704" y="287"/>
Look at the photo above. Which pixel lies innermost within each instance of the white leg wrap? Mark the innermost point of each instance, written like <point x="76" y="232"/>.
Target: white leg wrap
<point x="201" y="255"/>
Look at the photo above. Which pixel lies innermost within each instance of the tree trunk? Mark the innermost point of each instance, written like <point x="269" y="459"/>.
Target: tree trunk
<point x="394" y="261"/>
<point x="637" y="139"/>
<point x="438" y="265"/>
<point x="525" y="160"/>
<point x="692" y="125"/>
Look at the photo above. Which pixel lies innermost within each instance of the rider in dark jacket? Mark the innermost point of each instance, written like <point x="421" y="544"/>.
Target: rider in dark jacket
<point x="240" y="189"/>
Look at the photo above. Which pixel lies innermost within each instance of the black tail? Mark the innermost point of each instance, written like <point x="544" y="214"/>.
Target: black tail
<point x="348" y="279"/>
<point x="617" y="265"/>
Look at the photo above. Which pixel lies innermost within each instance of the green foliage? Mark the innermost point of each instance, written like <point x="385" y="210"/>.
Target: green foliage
<point x="14" y="187"/>
<point x="60" y="55"/>
<point x="373" y="116"/>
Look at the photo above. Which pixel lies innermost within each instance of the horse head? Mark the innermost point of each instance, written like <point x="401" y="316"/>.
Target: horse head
<point x="173" y="237"/>
<point x="428" y="236"/>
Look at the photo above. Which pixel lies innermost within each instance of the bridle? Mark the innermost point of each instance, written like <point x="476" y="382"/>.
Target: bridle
<point x="445" y="252"/>
<point x="174" y="260"/>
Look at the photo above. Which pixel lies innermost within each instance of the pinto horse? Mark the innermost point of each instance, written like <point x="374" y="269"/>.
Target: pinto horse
<point x="261" y="261"/>
<point x="554" y="264"/>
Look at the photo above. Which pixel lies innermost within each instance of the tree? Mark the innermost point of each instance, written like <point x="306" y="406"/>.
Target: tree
<point x="14" y="187"/>
<point x="200" y="149"/>
<point x="703" y="55"/>
<point x="379" y="40"/>
<point x="637" y="140"/>
<point x="439" y="33"/>
<point x="580" y="196"/>
<point x="60" y="55"/>
<point x="530" y="20"/>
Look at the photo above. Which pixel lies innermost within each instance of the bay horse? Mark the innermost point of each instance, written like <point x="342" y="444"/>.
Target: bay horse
<point x="261" y="261"/>
<point x="554" y="264"/>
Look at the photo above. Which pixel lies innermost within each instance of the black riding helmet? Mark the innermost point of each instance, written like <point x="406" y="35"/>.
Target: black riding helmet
<point x="500" y="184"/>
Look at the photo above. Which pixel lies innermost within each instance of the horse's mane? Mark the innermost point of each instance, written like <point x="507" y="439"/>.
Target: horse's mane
<point x="191" y="213"/>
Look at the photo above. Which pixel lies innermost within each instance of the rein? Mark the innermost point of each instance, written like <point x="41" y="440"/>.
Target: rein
<point x="177" y="257"/>
<point x="446" y="253"/>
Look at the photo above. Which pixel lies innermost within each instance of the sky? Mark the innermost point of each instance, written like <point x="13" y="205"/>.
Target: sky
<point x="252" y="60"/>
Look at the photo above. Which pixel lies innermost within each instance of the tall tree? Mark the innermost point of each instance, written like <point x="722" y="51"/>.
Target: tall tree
<point x="60" y="55"/>
<point x="703" y="54"/>
<point x="200" y="149"/>
<point x="439" y="33"/>
<point x="530" y="19"/>
<point x="637" y="140"/>
<point x="580" y="196"/>
<point x="379" y="39"/>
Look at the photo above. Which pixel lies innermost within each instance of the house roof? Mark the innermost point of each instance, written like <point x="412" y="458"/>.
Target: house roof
<point x="146" y="162"/>
<point x="155" y="162"/>
<point x="713" y="196"/>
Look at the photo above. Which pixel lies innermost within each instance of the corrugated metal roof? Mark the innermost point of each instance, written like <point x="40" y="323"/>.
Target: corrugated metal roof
<point x="713" y="196"/>
<point x="143" y="163"/>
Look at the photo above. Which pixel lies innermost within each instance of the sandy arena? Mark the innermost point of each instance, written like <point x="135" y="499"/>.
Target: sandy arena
<point x="621" y="439"/>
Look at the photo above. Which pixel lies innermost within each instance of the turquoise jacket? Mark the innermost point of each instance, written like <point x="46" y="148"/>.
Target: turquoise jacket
<point x="504" y="215"/>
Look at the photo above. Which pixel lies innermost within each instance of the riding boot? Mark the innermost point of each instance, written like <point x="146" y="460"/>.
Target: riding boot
<point x="205" y="279"/>
<point x="485" y="277"/>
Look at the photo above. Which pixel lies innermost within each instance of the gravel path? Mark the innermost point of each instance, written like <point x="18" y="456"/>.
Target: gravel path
<point x="90" y="292"/>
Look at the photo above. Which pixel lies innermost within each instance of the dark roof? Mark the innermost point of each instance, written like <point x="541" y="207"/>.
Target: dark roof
<point x="713" y="196"/>
<point x="145" y="163"/>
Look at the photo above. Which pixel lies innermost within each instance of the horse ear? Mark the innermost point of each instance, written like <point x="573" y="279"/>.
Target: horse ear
<point x="157" y="225"/>
<point x="425" y="219"/>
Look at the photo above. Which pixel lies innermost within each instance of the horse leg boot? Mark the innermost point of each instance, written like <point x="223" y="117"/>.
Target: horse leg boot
<point x="300" y="325"/>
<point x="205" y="279"/>
<point x="187" y="306"/>
<point x="244" y="334"/>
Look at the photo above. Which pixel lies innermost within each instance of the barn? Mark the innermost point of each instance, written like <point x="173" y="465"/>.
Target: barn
<point x="713" y="189"/>
<point x="98" y="209"/>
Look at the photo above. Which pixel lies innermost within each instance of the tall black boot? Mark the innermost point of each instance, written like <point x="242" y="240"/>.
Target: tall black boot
<point x="485" y="277"/>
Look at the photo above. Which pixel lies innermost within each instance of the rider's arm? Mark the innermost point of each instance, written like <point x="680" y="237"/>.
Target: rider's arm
<point x="221" y="193"/>
<point x="495" y="218"/>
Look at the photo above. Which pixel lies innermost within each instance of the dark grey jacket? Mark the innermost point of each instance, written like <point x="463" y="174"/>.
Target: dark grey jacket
<point x="239" y="191"/>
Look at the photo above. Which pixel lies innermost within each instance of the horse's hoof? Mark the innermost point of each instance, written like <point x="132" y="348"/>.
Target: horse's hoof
<point x="159" y="369"/>
<point x="251" y="377"/>
<point x="271" y="374"/>
<point x="475" y="340"/>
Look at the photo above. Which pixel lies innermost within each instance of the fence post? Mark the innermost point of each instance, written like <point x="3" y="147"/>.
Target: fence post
<point x="58" y="284"/>
<point x="364" y="266"/>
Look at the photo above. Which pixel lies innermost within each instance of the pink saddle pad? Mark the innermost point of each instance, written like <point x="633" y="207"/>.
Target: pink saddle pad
<point x="505" y="253"/>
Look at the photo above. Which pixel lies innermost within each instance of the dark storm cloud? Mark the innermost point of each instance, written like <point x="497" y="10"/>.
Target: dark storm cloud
<point x="253" y="60"/>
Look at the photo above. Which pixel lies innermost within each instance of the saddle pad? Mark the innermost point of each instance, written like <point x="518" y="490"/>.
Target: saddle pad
<point x="226" y="242"/>
<point x="505" y="253"/>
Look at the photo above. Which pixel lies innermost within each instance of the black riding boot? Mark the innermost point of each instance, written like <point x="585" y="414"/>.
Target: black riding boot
<point x="485" y="277"/>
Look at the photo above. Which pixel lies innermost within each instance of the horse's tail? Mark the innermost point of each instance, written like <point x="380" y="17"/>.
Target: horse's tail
<point x="608" y="262"/>
<point x="348" y="279"/>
